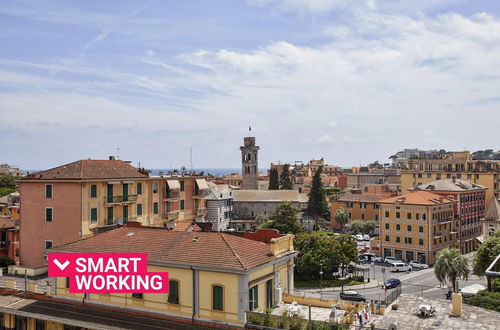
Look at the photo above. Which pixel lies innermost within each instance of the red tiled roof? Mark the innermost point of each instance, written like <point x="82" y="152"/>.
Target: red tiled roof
<point x="350" y="197"/>
<point x="202" y="249"/>
<point x="418" y="197"/>
<point x="186" y="226"/>
<point x="89" y="169"/>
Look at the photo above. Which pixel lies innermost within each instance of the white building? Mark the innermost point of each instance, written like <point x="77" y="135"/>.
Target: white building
<point x="219" y="203"/>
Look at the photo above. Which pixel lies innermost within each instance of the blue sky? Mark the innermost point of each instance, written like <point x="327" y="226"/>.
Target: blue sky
<point x="350" y="81"/>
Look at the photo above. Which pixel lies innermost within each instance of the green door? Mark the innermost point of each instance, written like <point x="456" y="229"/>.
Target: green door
<point x="110" y="193"/>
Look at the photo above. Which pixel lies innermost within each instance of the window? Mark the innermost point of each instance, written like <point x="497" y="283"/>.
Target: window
<point x="349" y="215"/>
<point x="448" y="176"/>
<point x="350" y="204"/>
<point x="420" y="229"/>
<point x="182" y="204"/>
<point x="217" y="298"/>
<point x="253" y="298"/>
<point x="398" y="239"/>
<point x="48" y="244"/>
<point x="362" y="216"/>
<point x="421" y="242"/>
<point x="155" y="187"/>
<point x="93" y="191"/>
<point x="429" y="175"/>
<point x="269" y="294"/>
<point x="173" y="292"/>
<point x="408" y="215"/>
<point x="408" y="228"/>
<point x="398" y="226"/>
<point x="423" y="216"/>
<point x="408" y="240"/>
<point x="40" y="325"/>
<point x="93" y="215"/>
<point x="386" y="226"/>
<point x="386" y="214"/>
<point x="48" y="214"/>
<point x="139" y="210"/>
<point x="137" y="295"/>
<point x="362" y="205"/>
<point x="182" y="185"/>
<point x="387" y="238"/>
<point x="110" y="215"/>
<point x="398" y="215"/>
<point x="48" y="191"/>
<point x="139" y="188"/>
<point x="155" y="207"/>
<point x="376" y="216"/>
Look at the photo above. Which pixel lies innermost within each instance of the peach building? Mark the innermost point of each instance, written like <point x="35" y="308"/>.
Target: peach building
<point x="79" y="199"/>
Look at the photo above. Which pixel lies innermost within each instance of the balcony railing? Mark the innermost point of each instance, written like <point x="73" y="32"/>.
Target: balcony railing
<point x="173" y="215"/>
<point x="123" y="199"/>
<point x="120" y="221"/>
<point x="171" y="197"/>
<point x="438" y="234"/>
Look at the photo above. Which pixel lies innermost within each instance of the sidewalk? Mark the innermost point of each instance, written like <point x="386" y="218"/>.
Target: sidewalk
<point x="372" y="284"/>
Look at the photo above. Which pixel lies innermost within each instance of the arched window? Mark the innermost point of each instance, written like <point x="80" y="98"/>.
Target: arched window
<point x="93" y="191"/>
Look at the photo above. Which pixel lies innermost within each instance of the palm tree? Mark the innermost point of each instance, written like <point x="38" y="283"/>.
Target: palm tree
<point x="341" y="217"/>
<point x="451" y="265"/>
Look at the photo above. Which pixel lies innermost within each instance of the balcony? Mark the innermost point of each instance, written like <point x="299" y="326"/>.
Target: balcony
<point x="171" y="216"/>
<point x="201" y="212"/>
<point x="171" y="197"/>
<point x="123" y="199"/>
<point x="438" y="234"/>
<point x="120" y="221"/>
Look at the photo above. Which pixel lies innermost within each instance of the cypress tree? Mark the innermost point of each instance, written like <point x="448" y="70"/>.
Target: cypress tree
<point x="317" y="205"/>
<point x="274" y="183"/>
<point x="285" y="178"/>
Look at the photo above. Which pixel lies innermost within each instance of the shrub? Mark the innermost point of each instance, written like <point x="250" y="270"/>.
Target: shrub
<point x="484" y="300"/>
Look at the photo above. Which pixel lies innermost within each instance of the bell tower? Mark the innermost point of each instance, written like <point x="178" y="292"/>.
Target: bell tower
<point x="249" y="164"/>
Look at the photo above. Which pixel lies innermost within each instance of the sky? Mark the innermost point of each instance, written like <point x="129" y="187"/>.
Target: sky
<point x="349" y="81"/>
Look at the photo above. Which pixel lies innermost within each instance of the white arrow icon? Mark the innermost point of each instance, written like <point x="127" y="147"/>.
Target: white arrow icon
<point x="61" y="265"/>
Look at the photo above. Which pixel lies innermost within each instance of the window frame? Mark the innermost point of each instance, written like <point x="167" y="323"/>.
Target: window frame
<point x="155" y="208"/>
<point x="176" y="301"/>
<point x="51" y="190"/>
<point x="51" y="214"/>
<point x="217" y="285"/>
<point x="138" y="188"/>
<point x="93" y="191"/>
<point x="96" y="214"/>
<point x="48" y="241"/>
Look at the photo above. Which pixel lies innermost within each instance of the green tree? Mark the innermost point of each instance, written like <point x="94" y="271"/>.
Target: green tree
<point x="8" y="181"/>
<point x="285" y="220"/>
<point x="317" y="205"/>
<point x="315" y="253"/>
<point x="486" y="253"/>
<point x="285" y="178"/>
<point x="260" y="221"/>
<point x="347" y="252"/>
<point x="274" y="183"/>
<point x="341" y="217"/>
<point x="451" y="265"/>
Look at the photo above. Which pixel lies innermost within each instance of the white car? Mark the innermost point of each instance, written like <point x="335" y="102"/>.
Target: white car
<point x="359" y="237"/>
<point x="366" y="237"/>
<point x="416" y="264"/>
<point x="400" y="267"/>
<point x="373" y="257"/>
<point x="390" y="260"/>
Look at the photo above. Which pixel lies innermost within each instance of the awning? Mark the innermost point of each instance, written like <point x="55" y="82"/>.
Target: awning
<point x="202" y="184"/>
<point x="173" y="184"/>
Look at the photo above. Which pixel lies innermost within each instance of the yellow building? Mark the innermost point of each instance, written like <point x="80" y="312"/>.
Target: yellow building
<point x="458" y="165"/>
<point x="417" y="225"/>
<point x="213" y="277"/>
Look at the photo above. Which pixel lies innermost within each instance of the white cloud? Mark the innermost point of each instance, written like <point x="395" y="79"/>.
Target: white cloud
<point x="333" y="124"/>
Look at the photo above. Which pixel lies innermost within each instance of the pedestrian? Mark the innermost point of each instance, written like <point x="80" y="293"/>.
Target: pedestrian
<point x="360" y="317"/>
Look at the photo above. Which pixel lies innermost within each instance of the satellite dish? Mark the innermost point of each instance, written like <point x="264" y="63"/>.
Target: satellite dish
<point x="392" y="327"/>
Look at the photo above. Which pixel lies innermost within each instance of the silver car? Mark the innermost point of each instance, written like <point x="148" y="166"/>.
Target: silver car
<point x="419" y="265"/>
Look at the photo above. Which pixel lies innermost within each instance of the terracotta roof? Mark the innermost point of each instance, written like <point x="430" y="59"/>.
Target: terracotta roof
<point x="493" y="211"/>
<point x="186" y="226"/>
<point x="202" y="249"/>
<point x="233" y="177"/>
<point x="89" y="169"/>
<point x="450" y="185"/>
<point x="418" y="197"/>
<point x="350" y="197"/>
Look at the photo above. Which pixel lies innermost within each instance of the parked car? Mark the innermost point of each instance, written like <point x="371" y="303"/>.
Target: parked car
<point x="417" y="264"/>
<point x="362" y="259"/>
<point x="391" y="283"/>
<point x="366" y="237"/>
<point x="359" y="237"/>
<point x="373" y="257"/>
<point x="353" y="296"/>
<point x="400" y="267"/>
<point x="390" y="260"/>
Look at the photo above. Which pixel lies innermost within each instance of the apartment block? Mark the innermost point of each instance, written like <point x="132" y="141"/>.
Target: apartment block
<point x="219" y="202"/>
<point x="76" y="200"/>
<point x="417" y="225"/>
<point x="470" y="207"/>
<point x="458" y="165"/>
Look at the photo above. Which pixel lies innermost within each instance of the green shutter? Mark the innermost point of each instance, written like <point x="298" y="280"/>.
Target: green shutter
<point x="182" y="204"/>
<point x="139" y="210"/>
<point x="155" y="208"/>
<point x="93" y="191"/>
<point x="48" y="214"/>
<point x="93" y="215"/>
<point x="182" y="185"/>
<point x="48" y="191"/>
<point x="139" y="188"/>
<point x="217" y="303"/>
<point x="173" y="292"/>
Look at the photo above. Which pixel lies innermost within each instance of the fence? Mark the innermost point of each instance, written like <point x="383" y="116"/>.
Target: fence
<point x="393" y="295"/>
<point x="267" y="321"/>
